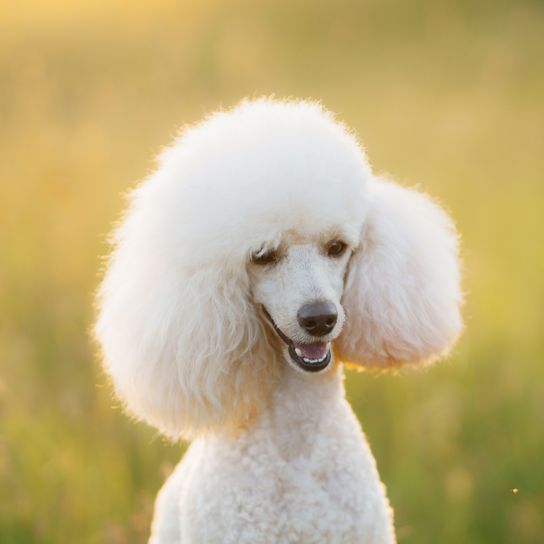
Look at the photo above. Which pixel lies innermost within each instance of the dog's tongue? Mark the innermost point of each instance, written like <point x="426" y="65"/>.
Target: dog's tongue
<point x="316" y="350"/>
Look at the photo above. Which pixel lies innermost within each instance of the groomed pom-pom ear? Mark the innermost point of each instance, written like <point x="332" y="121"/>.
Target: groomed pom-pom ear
<point x="179" y="336"/>
<point x="402" y="295"/>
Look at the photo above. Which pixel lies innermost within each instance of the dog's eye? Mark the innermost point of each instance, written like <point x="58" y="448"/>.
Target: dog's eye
<point x="265" y="256"/>
<point x="336" y="248"/>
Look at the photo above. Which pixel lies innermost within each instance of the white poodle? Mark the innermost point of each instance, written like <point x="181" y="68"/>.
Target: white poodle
<point x="259" y="256"/>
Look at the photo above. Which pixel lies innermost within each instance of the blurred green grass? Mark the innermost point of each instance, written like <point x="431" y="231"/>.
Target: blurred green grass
<point x="447" y="95"/>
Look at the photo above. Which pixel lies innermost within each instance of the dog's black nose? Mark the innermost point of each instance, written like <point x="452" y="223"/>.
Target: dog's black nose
<point x="318" y="318"/>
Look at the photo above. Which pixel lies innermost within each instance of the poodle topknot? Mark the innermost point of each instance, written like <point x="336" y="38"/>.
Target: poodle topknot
<point x="261" y="255"/>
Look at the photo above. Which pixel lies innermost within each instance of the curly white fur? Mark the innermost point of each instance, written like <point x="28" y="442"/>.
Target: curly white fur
<point x="278" y="455"/>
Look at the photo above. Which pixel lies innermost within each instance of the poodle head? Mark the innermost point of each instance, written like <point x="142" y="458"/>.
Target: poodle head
<point x="263" y="242"/>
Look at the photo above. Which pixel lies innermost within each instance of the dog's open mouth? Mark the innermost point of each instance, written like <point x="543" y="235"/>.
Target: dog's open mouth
<point x="311" y="357"/>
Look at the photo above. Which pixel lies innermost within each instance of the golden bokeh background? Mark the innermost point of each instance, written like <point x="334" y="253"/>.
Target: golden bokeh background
<point x="444" y="95"/>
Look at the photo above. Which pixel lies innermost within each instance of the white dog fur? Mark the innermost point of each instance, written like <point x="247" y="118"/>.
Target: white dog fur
<point x="277" y="453"/>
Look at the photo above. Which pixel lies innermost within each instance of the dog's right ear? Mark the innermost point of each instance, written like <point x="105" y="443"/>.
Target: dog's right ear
<point x="402" y="295"/>
<point x="179" y="336"/>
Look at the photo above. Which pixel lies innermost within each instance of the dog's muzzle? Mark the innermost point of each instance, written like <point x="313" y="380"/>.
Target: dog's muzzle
<point x="311" y="357"/>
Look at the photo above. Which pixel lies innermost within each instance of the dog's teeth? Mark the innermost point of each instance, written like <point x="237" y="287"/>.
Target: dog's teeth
<point x="313" y="361"/>
<point x="310" y="360"/>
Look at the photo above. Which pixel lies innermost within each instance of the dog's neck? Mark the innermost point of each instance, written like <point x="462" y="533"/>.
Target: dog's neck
<point x="299" y="406"/>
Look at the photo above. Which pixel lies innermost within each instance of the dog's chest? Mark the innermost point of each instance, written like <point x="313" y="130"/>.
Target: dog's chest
<point x="324" y="489"/>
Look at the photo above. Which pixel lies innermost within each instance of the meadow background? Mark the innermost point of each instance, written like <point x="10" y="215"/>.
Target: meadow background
<point x="444" y="95"/>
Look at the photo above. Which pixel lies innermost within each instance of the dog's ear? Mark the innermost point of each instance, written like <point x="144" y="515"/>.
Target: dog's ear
<point x="179" y="337"/>
<point x="402" y="295"/>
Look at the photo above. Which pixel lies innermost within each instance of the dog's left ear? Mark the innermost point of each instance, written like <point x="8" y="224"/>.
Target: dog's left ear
<point x="402" y="295"/>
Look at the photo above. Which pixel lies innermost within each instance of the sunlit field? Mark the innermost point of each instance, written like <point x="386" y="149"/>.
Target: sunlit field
<point x="447" y="96"/>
